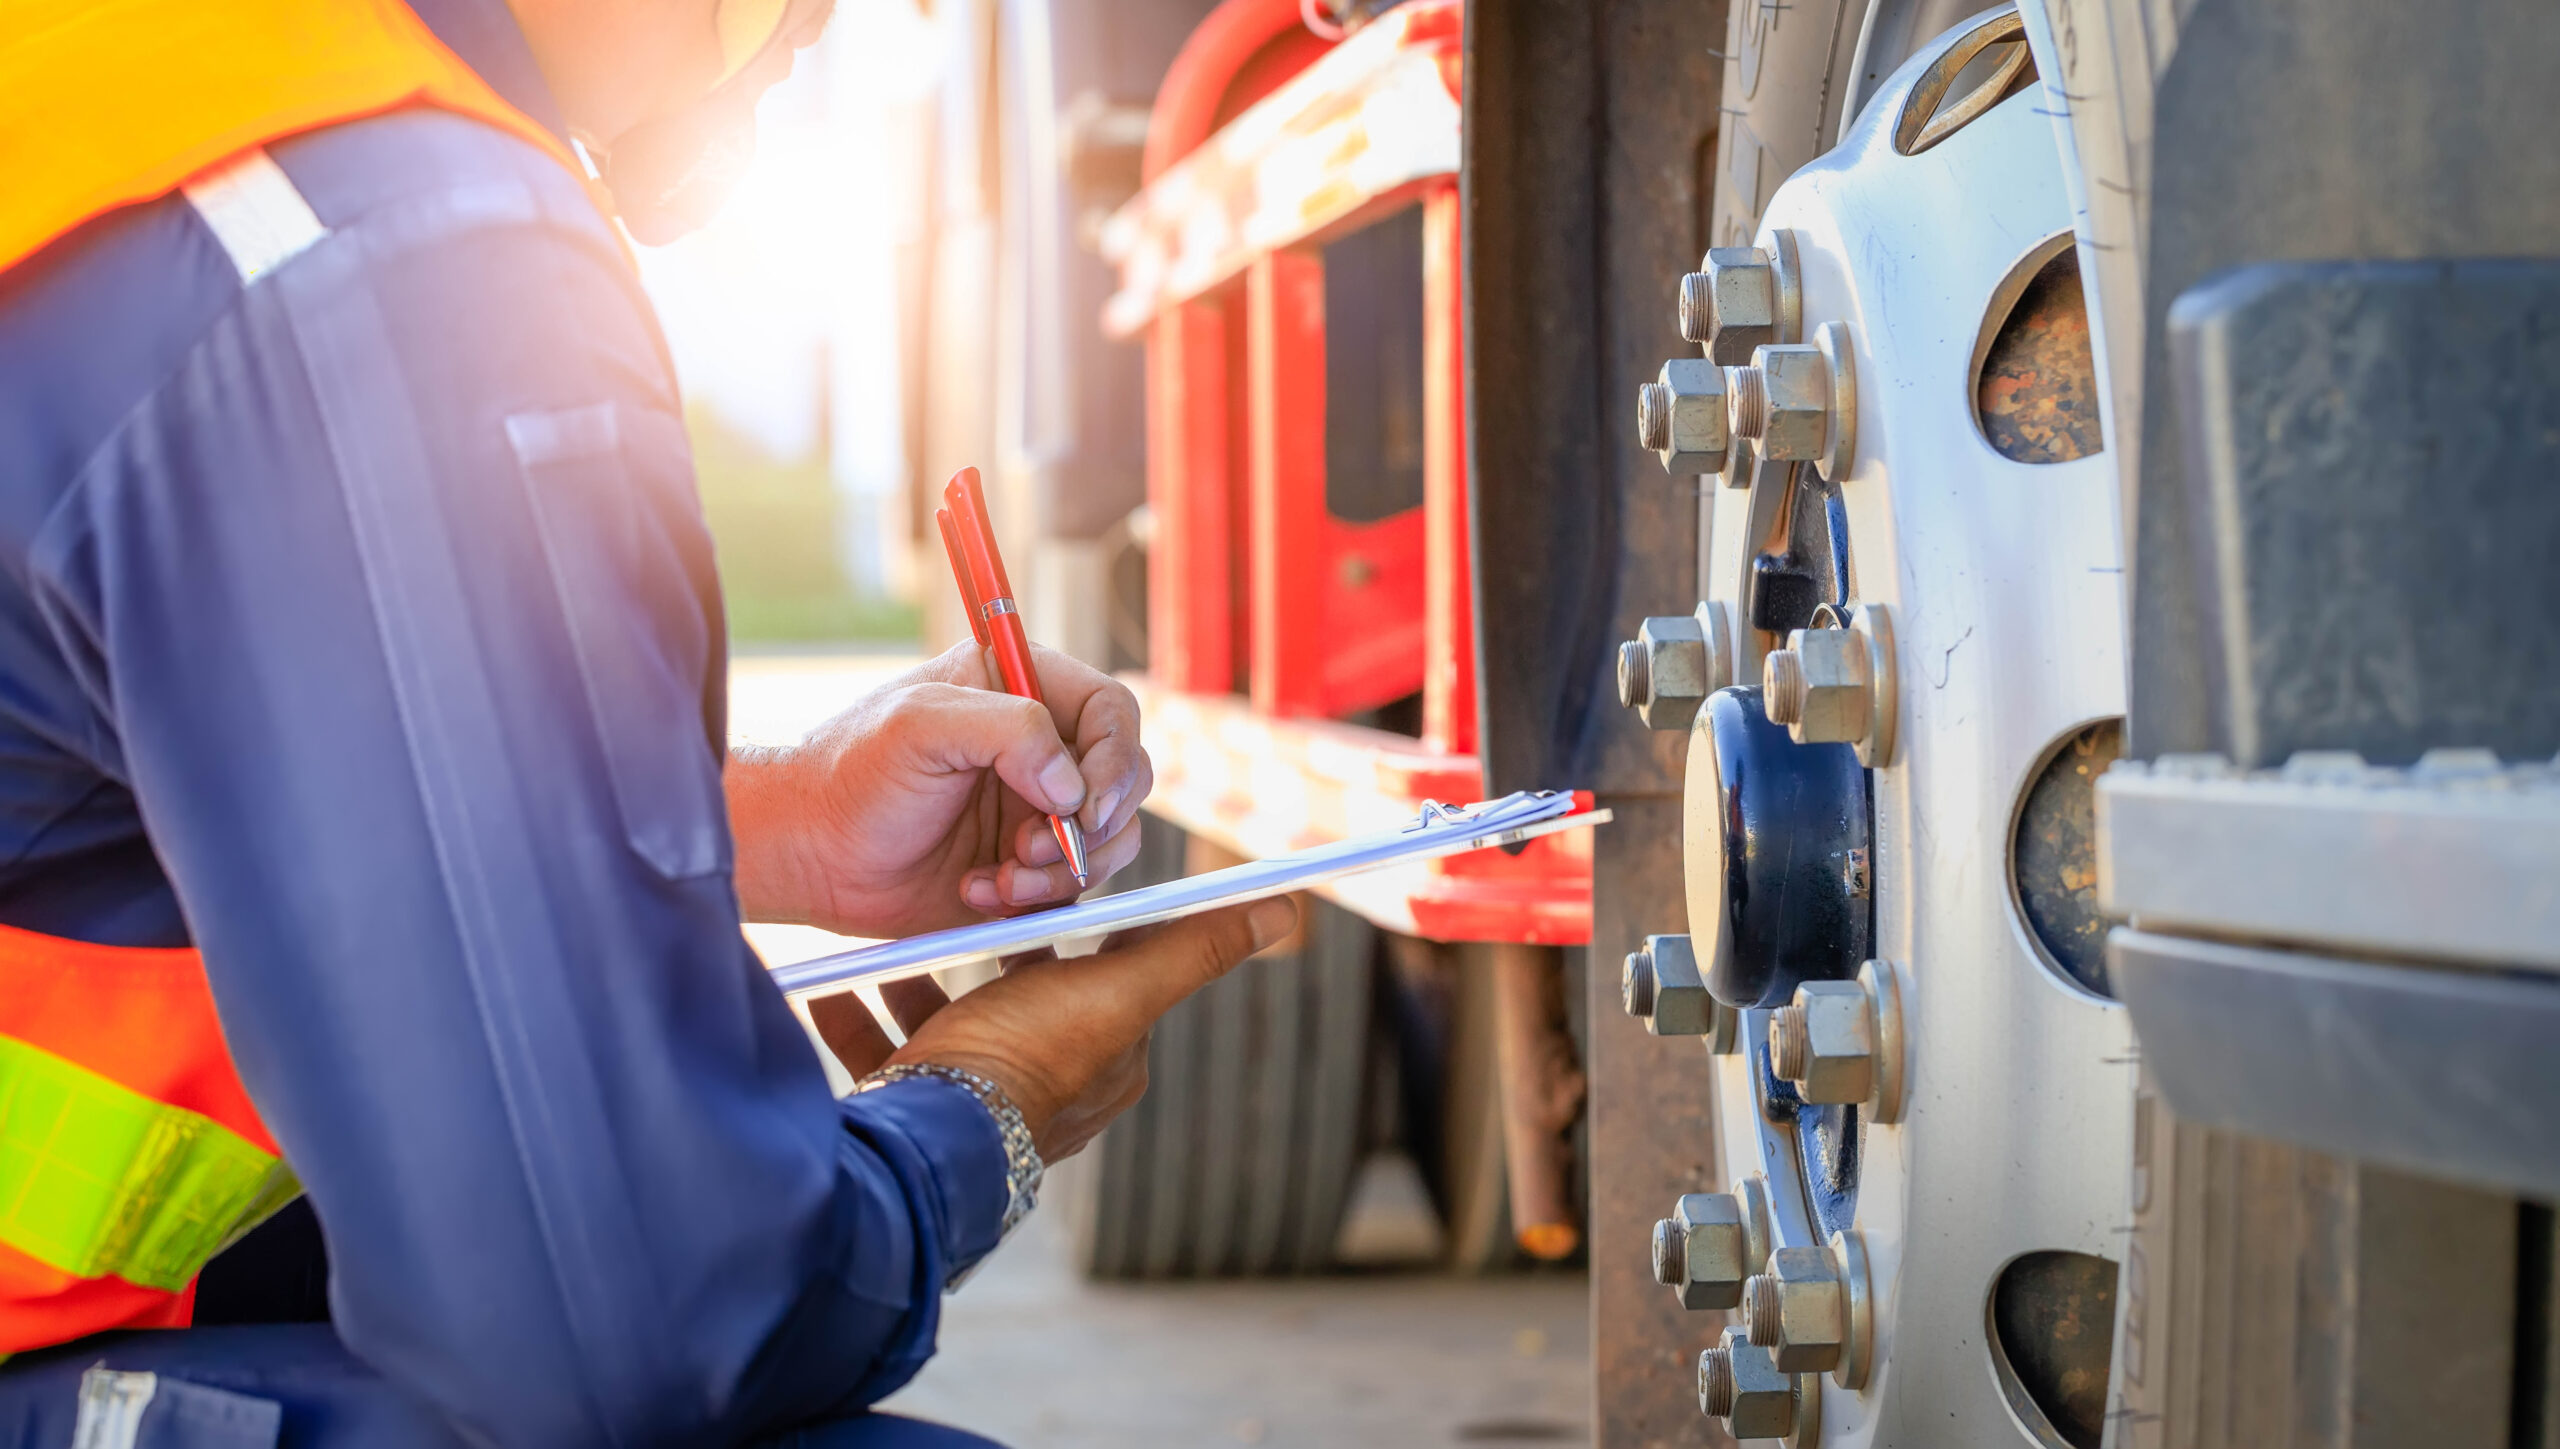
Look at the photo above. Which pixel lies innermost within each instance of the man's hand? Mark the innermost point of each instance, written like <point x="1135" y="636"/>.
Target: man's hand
<point x="923" y="806"/>
<point x="1067" y="1040"/>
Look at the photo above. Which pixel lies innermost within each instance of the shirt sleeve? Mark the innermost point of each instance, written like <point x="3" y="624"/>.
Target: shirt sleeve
<point x="398" y="603"/>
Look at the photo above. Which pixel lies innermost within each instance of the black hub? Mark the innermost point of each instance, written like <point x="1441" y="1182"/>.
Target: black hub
<point x="1777" y="851"/>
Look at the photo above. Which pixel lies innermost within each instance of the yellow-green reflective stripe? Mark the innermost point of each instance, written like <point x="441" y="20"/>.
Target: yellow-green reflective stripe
<point x="99" y="1180"/>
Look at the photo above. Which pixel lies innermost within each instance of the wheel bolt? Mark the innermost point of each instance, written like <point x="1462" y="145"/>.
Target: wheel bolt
<point x="1697" y="307"/>
<point x="1790" y="1042"/>
<point x="1670" y="1254"/>
<point x="1782" y="686"/>
<point x="1638" y="984"/>
<point x="1635" y="675"/>
<point x="1760" y="1309"/>
<point x="1653" y="417"/>
<point x="1715" y="1383"/>
<point x="1747" y="395"/>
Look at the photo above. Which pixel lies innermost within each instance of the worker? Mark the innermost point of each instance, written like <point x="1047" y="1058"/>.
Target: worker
<point x="367" y="831"/>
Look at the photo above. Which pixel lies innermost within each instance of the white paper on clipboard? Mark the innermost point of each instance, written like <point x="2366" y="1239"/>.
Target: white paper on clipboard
<point x="1440" y="830"/>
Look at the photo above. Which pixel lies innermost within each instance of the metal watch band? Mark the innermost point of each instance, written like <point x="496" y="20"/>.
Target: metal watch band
<point x="1022" y="1164"/>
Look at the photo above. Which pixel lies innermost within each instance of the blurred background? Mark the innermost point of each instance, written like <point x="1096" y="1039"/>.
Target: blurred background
<point x="910" y="280"/>
<point x="784" y="319"/>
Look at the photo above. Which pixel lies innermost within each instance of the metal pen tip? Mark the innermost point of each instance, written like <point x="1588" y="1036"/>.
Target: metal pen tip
<point x="1071" y="841"/>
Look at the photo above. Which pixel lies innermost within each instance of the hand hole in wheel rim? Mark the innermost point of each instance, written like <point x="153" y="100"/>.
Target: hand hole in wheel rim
<point x="2035" y="377"/>
<point x="2051" y="1321"/>
<point x="1979" y="71"/>
<point x="2053" y="871"/>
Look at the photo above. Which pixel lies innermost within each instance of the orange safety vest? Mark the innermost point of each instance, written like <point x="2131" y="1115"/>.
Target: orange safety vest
<point x="129" y="1150"/>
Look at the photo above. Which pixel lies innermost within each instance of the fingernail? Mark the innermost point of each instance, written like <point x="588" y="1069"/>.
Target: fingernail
<point x="981" y="893"/>
<point x="1101" y="812"/>
<point x="1042" y="848"/>
<point x="1030" y="886"/>
<point x="1270" y="920"/>
<point x="1063" y="784"/>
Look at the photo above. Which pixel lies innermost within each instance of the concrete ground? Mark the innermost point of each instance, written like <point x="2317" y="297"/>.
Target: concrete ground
<point x="1037" y="1358"/>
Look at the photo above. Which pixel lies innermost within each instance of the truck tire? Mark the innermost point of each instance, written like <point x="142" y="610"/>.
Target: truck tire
<point x="1239" y="1158"/>
<point x="1795" y="77"/>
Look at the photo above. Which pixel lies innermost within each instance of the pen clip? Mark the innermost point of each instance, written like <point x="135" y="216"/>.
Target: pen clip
<point x="966" y="577"/>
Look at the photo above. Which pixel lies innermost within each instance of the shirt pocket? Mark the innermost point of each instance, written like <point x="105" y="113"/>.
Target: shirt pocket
<point x="640" y="632"/>
<point x="126" y="1409"/>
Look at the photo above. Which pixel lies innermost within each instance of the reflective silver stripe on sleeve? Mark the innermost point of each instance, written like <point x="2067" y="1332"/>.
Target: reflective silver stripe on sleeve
<point x="111" y="1405"/>
<point x="255" y="212"/>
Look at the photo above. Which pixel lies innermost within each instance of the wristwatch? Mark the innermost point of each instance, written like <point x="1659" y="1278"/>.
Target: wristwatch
<point x="1022" y="1165"/>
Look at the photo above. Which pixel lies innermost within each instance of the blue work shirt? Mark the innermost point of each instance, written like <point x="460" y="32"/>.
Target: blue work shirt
<point x="358" y="626"/>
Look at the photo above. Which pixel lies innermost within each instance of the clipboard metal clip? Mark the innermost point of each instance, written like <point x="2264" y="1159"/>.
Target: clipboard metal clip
<point x="1434" y="813"/>
<point x="1435" y="816"/>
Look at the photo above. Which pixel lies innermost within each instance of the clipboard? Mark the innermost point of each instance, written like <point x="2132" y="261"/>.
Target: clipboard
<point x="1439" y="830"/>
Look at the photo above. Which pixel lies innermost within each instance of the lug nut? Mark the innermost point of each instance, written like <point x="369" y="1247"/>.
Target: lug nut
<point x="1810" y="1309"/>
<point x="1675" y="661"/>
<point x="1660" y="986"/>
<point x="1738" y="1381"/>
<point x="1782" y="401"/>
<point x="1797" y="401"/>
<point x="1798" y="1310"/>
<point x="1741" y="299"/>
<point x="1836" y="685"/>
<point x="1681" y="416"/>
<point x="1840" y="1042"/>
<point x="1818" y="686"/>
<point x="1824" y="1042"/>
<point x="1680" y="1006"/>
<point x="1708" y="1246"/>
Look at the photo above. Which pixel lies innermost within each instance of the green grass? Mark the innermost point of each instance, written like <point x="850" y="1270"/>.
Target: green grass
<point x="764" y="619"/>
<point x="773" y="526"/>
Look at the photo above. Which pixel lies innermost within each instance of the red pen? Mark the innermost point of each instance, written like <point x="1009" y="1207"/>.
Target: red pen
<point x="970" y="538"/>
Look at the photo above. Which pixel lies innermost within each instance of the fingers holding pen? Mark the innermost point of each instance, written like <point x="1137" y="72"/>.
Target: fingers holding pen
<point x="1119" y="778"/>
<point x="1035" y="842"/>
<point x="1115" y="763"/>
<point x="1059" y="883"/>
<point x="1099" y="716"/>
<point x="963" y="729"/>
<point x="1038" y="876"/>
<point x="1093" y="714"/>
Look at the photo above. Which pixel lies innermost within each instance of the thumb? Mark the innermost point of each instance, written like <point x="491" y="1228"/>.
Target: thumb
<point x="958" y="729"/>
<point x="1151" y="976"/>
